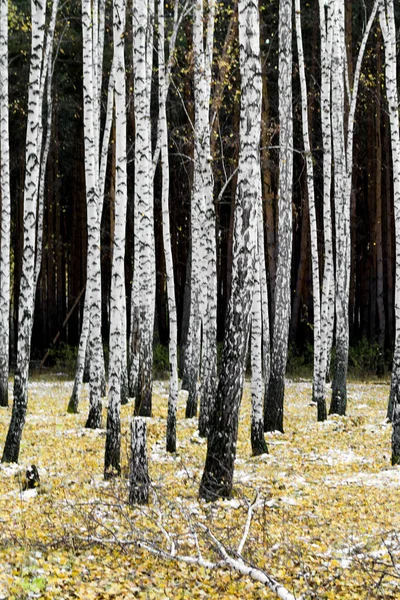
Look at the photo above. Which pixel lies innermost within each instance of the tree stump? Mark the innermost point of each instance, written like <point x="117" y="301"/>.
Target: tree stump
<point x="139" y="482"/>
<point x="32" y="479"/>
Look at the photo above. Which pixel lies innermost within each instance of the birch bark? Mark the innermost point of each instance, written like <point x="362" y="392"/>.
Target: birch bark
<point x="117" y="364"/>
<point x="33" y="165"/>
<point x="387" y="23"/>
<point x="202" y="342"/>
<point x="328" y="279"/>
<point x="169" y="266"/>
<point x="5" y="208"/>
<point x="274" y="403"/>
<point x="84" y="337"/>
<point x="93" y="286"/>
<point x="319" y="371"/>
<point x="217" y="477"/>
<point x="96" y="153"/>
<point x="144" y="281"/>
<point x="343" y="165"/>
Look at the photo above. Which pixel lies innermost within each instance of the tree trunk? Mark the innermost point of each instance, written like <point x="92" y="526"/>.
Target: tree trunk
<point x="387" y="23"/>
<point x="33" y="165"/>
<point x="117" y="362"/>
<point x="274" y="404"/>
<point x="139" y="482"/>
<point x="144" y="276"/>
<point x="217" y="477"/>
<point x="5" y="208"/>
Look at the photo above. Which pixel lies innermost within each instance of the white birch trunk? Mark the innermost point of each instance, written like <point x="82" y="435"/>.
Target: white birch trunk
<point x="5" y="208"/>
<point x="342" y="212"/>
<point x="202" y="340"/>
<point x="217" y="477"/>
<point x="117" y="363"/>
<point x="139" y="482"/>
<point x="274" y="402"/>
<point x="208" y="374"/>
<point x="319" y="371"/>
<point x="169" y="266"/>
<point x="93" y="285"/>
<point x="387" y="22"/>
<point x="258" y="445"/>
<point x="84" y="337"/>
<point x="143" y="285"/>
<point x="343" y="165"/>
<point x="48" y="68"/>
<point x="328" y="280"/>
<point x="27" y="288"/>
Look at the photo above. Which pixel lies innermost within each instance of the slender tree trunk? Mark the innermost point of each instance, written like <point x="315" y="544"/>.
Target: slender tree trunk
<point x="117" y="363"/>
<point x="343" y="164"/>
<point x="33" y="164"/>
<point x="5" y="208"/>
<point x="274" y="405"/>
<point x="380" y="300"/>
<point x="163" y="136"/>
<point x="259" y="342"/>
<point x="202" y="357"/>
<point x="387" y="23"/>
<point x="144" y="277"/>
<point x="319" y="370"/>
<point x="217" y="478"/>
<point x="95" y="169"/>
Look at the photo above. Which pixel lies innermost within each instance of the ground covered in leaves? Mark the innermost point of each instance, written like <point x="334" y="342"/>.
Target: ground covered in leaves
<point x="326" y="525"/>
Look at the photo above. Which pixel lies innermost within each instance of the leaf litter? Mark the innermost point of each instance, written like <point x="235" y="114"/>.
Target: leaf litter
<point x="327" y="525"/>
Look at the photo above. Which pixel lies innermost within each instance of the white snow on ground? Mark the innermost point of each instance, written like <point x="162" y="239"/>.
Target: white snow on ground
<point x="334" y="457"/>
<point x="387" y="478"/>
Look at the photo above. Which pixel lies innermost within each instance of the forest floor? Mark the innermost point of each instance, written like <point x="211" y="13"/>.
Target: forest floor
<point x="327" y="522"/>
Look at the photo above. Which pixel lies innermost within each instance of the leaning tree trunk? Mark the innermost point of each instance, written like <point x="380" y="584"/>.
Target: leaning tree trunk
<point x="273" y="419"/>
<point x="117" y="363"/>
<point x="319" y="370"/>
<point x="144" y="280"/>
<point x="217" y="478"/>
<point x="169" y="266"/>
<point x="5" y="208"/>
<point x="387" y="22"/>
<point x="34" y="142"/>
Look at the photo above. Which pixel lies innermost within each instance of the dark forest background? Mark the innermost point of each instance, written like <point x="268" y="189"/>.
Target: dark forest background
<point x="61" y="287"/>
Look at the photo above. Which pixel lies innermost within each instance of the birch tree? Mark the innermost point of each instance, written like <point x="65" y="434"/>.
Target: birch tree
<point x="319" y="370"/>
<point x="343" y="170"/>
<point x="144" y="276"/>
<point x="38" y="79"/>
<point x="96" y="154"/>
<point x="217" y="477"/>
<point x="5" y="207"/>
<point x="91" y="106"/>
<point x="201" y="347"/>
<point x="163" y="76"/>
<point x="259" y="341"/>
<point x="328" y="279"/>
<point x="117" y="364"/>
<point x="274" y="403"/>
<point x="388" y="27"/>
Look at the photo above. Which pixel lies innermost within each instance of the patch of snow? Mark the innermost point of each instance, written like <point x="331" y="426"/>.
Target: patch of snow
<point x="383" y="479"/>
<point x="288" y="500"/>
